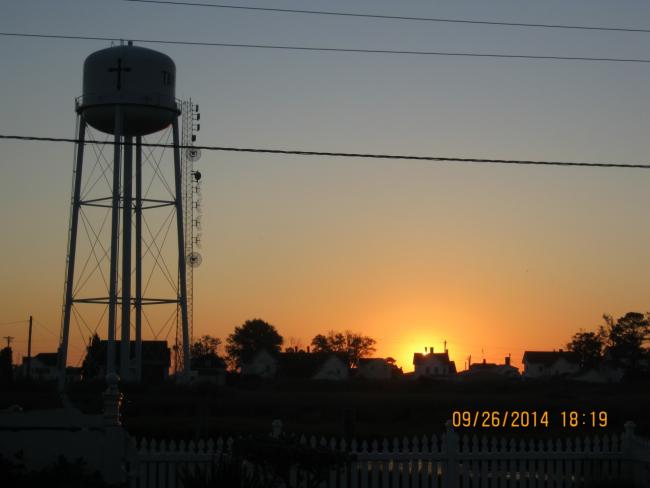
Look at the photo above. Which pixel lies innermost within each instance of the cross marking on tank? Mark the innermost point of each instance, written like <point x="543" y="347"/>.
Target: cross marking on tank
<point x="119" y="71"/>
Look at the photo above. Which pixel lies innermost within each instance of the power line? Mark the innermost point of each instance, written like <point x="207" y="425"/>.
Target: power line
<point x="14" y="322"/>
<point x="48" y="330"/>
<point x="332" y="49"/>
<point x="349" y="155"/>
<point x="395" y="17"/>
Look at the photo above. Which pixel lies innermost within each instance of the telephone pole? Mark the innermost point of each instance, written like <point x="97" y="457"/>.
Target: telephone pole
<point x="9" y="339"/>
<point x="29" y="349"/>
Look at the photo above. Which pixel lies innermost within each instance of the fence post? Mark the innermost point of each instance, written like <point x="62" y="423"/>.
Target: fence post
<point x="450" y="475"/>
<point x="112" y="401"/>
<point x="629" y="454"/>
<point x="116" y="436"/>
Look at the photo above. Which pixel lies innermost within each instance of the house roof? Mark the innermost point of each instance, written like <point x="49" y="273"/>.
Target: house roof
<point x="549" y="357"/>
<point x="46" y="358"/>
<point x="483" y="366"/>
<point x="441" y="357"/>
<point x="364" y="361"/>
<point x="487" y="369"/>
<point x="304" y="364"/>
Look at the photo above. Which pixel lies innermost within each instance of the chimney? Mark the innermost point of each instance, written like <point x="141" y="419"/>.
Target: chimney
<point x="307" y="348"/>
<point x="508" y="360"/>
<point x="483" y="360"/>
<point x="431" y="350"/>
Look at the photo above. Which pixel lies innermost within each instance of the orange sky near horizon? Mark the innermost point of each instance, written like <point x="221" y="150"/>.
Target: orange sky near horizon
<point x="401" y="277"/>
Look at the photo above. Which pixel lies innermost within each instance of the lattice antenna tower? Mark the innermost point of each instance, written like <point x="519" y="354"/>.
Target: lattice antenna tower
<point x="191" y="183"/>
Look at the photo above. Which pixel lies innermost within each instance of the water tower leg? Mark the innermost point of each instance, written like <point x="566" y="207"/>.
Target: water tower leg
<point x="138" y="259"/>
<point x="182" y="278"/>
<point x="115" y="217"/>
<point x="127" y="210"/>
<point x="72" y="251"/>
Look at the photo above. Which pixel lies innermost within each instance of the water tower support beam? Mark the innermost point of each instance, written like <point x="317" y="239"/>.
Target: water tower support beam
<point x="127" y="210"/>
<point x="115" y="217"/>
<point x="182" y="278"/>
<point x="72" y="251"/>
<point x="138" y="259"/>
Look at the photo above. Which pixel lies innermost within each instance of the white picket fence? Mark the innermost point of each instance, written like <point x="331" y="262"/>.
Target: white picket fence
<point x="448" y="461"/>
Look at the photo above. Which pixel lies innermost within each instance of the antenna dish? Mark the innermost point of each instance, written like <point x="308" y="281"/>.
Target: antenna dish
<point x="193" y="154"/>
<point x="194" y="259"/>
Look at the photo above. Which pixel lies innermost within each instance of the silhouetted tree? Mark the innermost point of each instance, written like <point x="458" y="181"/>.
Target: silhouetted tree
<point x="354" y="345"/>
<point x="205" y="346"/>
<point x="251" y="337"/>
<point x="588" y="346"/>
<point x="6" y="365"/>
<point x="92" y="363"/>
<point x="625" y="338"/>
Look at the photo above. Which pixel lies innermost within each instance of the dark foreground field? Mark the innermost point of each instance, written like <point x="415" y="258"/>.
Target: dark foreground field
<point x="364" y="410"/>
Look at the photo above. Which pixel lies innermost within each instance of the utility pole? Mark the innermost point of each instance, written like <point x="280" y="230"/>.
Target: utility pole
<point x="9" y="339"/>
<point x="29" y="349"/>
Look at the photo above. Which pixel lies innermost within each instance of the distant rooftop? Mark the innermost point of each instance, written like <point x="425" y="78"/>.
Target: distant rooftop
<point x="549" y="357"/>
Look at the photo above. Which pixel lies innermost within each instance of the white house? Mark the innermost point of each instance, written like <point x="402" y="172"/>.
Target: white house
<point x="433" y="365"/>
<point x="546" y="364"/>
<point x="43" y="367"/>
<point x="375" y="369"/>
<point x="331" y="367"/>
<point x="313" y="366"/>
<point x="297" y="365"/>
<point x="605" y="373"/>
<point x="263" y="365"/>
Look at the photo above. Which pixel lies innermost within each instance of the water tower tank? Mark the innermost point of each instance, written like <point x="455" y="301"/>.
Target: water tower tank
<point x="140" y="80"/>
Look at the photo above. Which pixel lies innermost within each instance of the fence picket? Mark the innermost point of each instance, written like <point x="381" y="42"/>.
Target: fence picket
<point x="395" y="474"/>
<point x="405" y="473"/>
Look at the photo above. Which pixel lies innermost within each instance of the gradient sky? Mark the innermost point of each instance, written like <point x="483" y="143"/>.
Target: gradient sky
<point x="494" y="259"/>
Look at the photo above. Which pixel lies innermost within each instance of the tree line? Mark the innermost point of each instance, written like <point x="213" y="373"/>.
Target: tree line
<point x="620" y="342"/>
<point x="247" y="340"/>
<point x="256" y="335"/>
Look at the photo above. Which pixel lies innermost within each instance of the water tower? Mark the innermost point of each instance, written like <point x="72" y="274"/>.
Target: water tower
<point x="128" y="94"/>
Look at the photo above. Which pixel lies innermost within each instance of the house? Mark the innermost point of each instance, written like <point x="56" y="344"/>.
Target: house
<point x="491" y="371"/>
<point x="433" y="365"/>
<point x="43" y="367"/>
<point x="208" y="369"/>
<point x="314" y="366"/>
<point x="156" y="360"/>
<point x="547" y="364"/>
<point x="376" y="369"/>
<point x="297" y="365"/>
<point x="605" y="372"/>
<point x="263" y="364"/>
